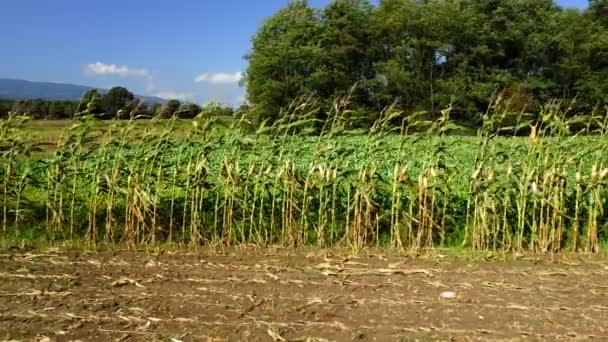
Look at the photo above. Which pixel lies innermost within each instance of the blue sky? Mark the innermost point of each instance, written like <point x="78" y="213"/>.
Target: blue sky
<point x="187" y="49"/>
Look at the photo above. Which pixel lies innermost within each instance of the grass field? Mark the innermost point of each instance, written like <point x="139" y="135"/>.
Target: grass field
<point x="191" y="230"/>
<point x="48" y="133"/>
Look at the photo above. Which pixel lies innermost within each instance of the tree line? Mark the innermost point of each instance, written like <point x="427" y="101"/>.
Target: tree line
<point x="426" y="55"/>
<point x="118" y="102"/>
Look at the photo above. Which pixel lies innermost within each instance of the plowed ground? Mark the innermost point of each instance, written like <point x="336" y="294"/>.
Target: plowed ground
<point x="259" y="296"/>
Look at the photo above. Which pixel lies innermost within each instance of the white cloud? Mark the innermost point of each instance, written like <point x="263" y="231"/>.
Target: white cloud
<point x="100" y="68"/>
<point x="219" y="78"/>
<point x="170" y="95"/>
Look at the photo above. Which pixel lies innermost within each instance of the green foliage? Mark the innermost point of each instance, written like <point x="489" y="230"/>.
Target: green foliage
<point x="189" y="111"/>
<point x="427" y="55"/>
<point x="413" y="187"/>
<point x="169" y="109"/>
<point x="346" y="40"/>
<point x="286" y="60"/>
<point x="116" y="99"/>
<point x="582" y="67"/>
<point x="117" y="103"/>
<point x="90" y="103"/>
<point x="598" y="11"/>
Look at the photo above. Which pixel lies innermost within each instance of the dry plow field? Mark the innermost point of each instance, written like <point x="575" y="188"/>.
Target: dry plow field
<point x="246" y="296"/>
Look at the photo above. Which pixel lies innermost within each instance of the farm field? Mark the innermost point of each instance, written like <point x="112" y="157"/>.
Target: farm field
<point x="285" y="296"/>
<point x="46" y="134"/>
<point x="335" y="236"/>
<point x="301" y="233"/>
<point x="311" y="171"/>
<point x="209" y="184"/>
<point x="280" y="295"/>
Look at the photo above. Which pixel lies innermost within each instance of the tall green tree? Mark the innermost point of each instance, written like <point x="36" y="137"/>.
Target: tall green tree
<point x="169" y="109"/>
<point x="504" y="45"/>
<point x="598" y="10"/>
<point x="189" y="111"/>
<point x="55" y="110"/>
<point x="413" y="43"/>
<point x="5" y="107"/>
<point x="116" y="99"/>
<point x="286" y="59"/>
<point x="346" y="41"/>
<point x="428" y="54"/>
<point x="155" y="109"/>
<point x="90" y="103"/>
<point x="581" y="66"/>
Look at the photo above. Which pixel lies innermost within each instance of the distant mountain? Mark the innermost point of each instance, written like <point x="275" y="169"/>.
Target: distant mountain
<point x="26" y="90"/>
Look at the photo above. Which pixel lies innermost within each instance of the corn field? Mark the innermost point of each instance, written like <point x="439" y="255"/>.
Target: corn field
<point x="406" y="183"/>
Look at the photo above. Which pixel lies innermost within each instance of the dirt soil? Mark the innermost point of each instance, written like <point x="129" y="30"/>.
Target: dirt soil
<point x="262" y="296"/>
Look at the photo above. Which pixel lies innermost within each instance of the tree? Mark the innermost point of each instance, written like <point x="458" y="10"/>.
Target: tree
<point x="581" y="65"/>
<point x="413" y="46"/>
<point x="134" y="108"/>
<point x="286" y="59"/>
<point x="598" y="11"/>
<point x="90" y="103"/>
<point x="192" y="110"/>
<point x="36" y="109"/>
<point x="55" y="110"/>
<point x="5" y="107"/>
<point x="116" y="99"/>
<point x="346" y="41"/>
<point x="155" y="109"/>
<point x="169" y="109"/>
<point x="508" y="47"/>
<point x="189" y="111"/>
<point x="69" y="109"/>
